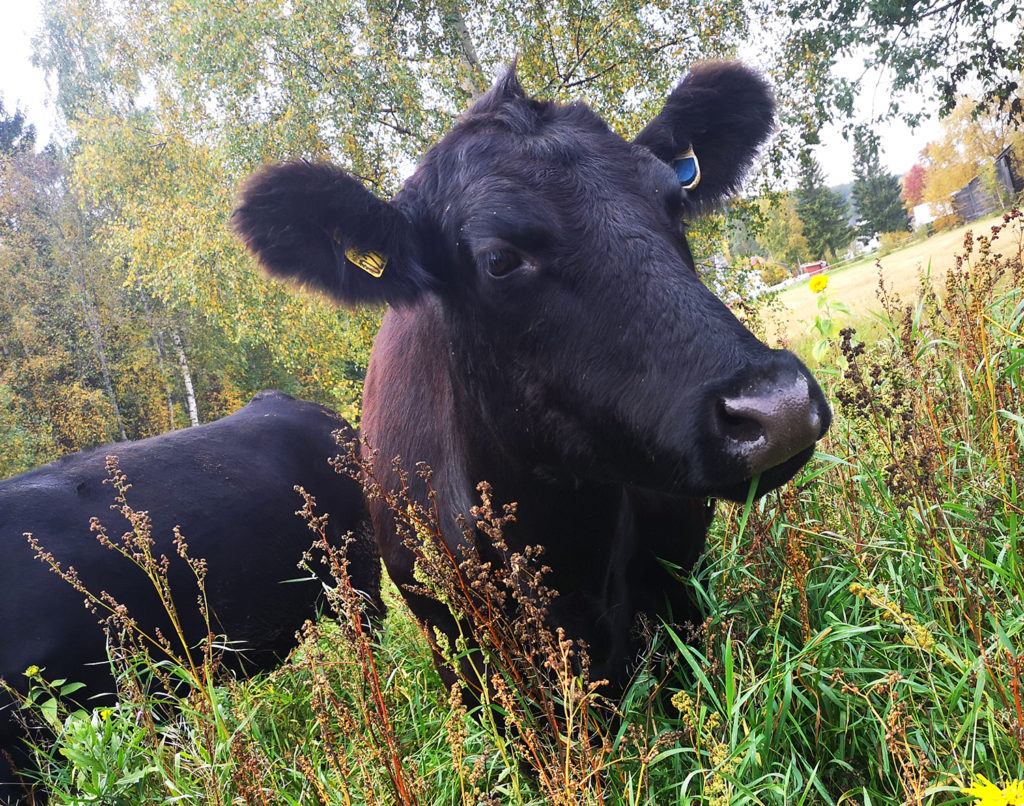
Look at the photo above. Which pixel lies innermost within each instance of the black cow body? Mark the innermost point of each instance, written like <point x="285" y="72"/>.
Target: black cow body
<point x="551" y="337"/>
<point x="229" y="486"/>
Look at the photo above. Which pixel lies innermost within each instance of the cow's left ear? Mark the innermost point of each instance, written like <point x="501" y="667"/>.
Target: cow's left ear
<point x="318" y="226"/>
<point x="710" y="130"/>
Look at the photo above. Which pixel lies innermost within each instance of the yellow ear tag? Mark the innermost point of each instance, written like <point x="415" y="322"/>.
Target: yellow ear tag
<point x="372" y="263"/>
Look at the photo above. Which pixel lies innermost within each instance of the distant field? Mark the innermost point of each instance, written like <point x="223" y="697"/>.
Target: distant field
<point x="856" y="284"/>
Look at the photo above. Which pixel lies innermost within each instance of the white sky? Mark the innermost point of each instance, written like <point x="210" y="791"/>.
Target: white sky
<point x="21" y="84"/>
<point x="24" y="86"/>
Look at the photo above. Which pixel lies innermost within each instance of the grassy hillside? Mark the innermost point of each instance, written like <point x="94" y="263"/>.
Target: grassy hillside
<point x="864" y="639"/>
<point x="856" y="284"/>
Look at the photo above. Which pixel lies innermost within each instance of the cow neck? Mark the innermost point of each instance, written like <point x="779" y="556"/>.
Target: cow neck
<point x="603" y="541"/>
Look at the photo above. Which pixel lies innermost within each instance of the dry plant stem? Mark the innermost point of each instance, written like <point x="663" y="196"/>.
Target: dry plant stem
<point x="504" y="651"/>
<point x="965" y="321"/>
<point x="373" y="709"/>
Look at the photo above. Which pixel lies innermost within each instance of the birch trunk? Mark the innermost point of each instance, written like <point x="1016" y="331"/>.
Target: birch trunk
<point x="186" y="376"/>
<point x="474" y="80"/>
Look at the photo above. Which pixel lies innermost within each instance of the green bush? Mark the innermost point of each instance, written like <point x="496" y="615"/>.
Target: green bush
<point x="774" y="273"/>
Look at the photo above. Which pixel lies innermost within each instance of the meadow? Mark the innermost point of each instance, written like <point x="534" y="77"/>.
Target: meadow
<point x="856" y="283"/>
<point x="862" y="641"/>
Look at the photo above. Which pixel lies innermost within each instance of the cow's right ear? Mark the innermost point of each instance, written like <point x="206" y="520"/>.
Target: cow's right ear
<point x="710" y="130"/>
<point x="318" y="226"/>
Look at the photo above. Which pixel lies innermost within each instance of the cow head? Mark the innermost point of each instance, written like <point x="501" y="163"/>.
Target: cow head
<point x="581" y="337"/>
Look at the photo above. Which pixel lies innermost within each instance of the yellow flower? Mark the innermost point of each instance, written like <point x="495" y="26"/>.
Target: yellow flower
<point x="105" y="714"/>
<point x="988" y="794"/>
<point x="32" y="671"/>
<point x="818" y="283"/>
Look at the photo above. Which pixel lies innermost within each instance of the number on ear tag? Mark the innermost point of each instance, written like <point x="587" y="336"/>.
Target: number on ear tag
<point x="372" y="263"/>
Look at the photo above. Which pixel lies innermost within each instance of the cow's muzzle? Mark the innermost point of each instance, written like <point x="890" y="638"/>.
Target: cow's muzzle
<point x="772" y="421"/>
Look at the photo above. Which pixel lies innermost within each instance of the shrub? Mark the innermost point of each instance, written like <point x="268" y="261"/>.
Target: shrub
<point x="774" y="273"/>
<point x="948" y="221"/>
<point x="889" y="241"/>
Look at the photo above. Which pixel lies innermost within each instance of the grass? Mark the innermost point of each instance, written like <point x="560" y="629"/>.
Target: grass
<point x="857" y="283"/>
<point x="864" y="640"/>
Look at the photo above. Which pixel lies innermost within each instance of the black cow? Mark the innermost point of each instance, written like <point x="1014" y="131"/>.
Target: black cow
<point x="229" y="486"/>
<point x="549" y="335"/>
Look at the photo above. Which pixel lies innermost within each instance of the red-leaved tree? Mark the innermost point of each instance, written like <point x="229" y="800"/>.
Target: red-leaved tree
<point x="913" y="186"/>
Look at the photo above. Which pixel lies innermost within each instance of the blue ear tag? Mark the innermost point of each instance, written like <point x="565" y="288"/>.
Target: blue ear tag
<point x="687" y="169"/>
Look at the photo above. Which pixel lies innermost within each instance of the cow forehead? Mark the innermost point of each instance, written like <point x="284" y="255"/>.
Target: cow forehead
<point x="506" y="206"/>
<point x="529" y="133"/>
<point x="564" y="166"/>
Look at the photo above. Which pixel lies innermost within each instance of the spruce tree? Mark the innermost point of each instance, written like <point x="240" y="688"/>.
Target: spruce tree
<point x="823" y="212"/>
<point x="15" y="135"/>
<point x="876" y="194"/>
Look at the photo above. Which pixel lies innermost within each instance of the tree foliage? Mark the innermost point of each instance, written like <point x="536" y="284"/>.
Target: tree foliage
<point x="876" y="194"/>
<point x="89" y="353"/>
<point x="939" y="47"/>
<point x="783" y="231"/>
<point x="971" y="137"/>
<point x="16" y="135"/>
<point x="367" y="83"/>
<point x="823" y="212"/>
<point x="54" y="317"/>
<point x="773" y="230"/>
<point x="913" y="186"/>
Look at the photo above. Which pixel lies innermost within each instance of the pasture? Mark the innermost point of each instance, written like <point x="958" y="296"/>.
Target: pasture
<point x="863" y="643"/>
<point x="856" y="283"/>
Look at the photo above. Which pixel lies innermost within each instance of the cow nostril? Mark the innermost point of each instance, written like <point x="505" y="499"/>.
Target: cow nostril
<point x="768" y="426"/>
<point x="736" y="425"/>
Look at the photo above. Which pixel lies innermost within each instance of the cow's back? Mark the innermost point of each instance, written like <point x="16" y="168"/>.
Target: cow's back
<point x="228" y="485"/>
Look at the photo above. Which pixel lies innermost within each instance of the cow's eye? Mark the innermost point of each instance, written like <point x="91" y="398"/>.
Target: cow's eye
<point x="501" y="262"/>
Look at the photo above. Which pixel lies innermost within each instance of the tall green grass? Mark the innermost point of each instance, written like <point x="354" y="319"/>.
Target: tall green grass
<point x="863" y="640"/>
